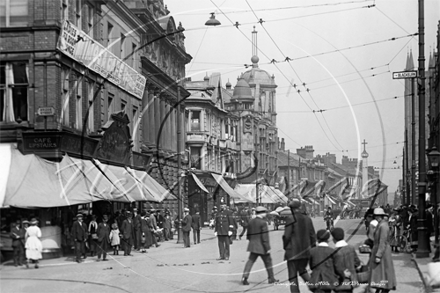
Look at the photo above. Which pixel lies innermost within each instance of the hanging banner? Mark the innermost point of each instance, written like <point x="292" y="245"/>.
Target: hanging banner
<point x="79" y="46"/>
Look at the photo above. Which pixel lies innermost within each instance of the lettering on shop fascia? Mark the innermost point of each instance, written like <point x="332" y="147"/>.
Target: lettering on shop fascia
<point x="79" y="46"/>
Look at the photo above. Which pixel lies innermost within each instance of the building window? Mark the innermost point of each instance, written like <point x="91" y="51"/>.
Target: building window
<point x="122" y="56"/>
<point x="195" y="158"/>
<point x="13" y="91"/>
<point x="133" y="55"/>
<point x="78" y="8"/>
<point x="78" y="105"/>
<point x="65" y="9"/>
<point x="13" y="13"/>
<point x="195" y="121"/>
<point x="110" y="102"/>
<point x="65" y="82"/>
<point x="89" y="20"/>
<point x="90" y="97"/>
<point x="123" y="105"/>
<point x="109" y="32"/>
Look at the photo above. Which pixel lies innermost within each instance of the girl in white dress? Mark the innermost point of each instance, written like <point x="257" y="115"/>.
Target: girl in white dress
<point x="33" y="245"/>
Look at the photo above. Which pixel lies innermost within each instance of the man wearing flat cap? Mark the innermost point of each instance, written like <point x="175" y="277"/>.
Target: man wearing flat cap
<point x="259" y="245"/>
<point x="80" y="236"/>
<point x="299" y="237"/>
<point x="224" y="224"/>
<point x="18" y="240"/>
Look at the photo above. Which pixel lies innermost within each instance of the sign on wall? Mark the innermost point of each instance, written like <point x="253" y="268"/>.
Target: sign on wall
<point x="76" y="44"/>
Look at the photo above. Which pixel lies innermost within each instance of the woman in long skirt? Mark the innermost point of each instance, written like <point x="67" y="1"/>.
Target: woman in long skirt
<point x="145" y="229"/>
<point x="382" y="275"/>
<point x="395" y="224"/>
<point x="33" y="246"/>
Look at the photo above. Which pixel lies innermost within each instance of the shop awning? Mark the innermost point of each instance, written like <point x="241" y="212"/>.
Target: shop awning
<point x="29" y="181"/>
<point x="329" y="199"/>
<point x="228" y="189"/>
<point x="276" y="194"/>
<point x="266" y="194"/>
<point x="199" y="183"/>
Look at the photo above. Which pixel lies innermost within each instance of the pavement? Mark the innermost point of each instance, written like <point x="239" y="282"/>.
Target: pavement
<point x="173" y="268"/>
<point x="422" y="268"/>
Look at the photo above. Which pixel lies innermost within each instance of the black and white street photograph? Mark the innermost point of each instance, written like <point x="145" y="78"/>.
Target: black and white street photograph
<point x="215" y="146"/>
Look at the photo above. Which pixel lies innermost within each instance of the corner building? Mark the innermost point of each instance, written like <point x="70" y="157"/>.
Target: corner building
<point x="254" y="102"/>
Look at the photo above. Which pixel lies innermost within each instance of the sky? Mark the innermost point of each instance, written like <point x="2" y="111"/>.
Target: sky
<point x="339" y="55"/>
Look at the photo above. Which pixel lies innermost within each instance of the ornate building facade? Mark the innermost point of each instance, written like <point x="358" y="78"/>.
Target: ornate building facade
<point x="254" y="102"/>
<point x="211" y="141"/>
<point x="94" y="79"/>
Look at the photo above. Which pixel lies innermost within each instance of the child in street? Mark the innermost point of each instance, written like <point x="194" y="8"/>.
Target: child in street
<point x="114" y="239"/>
<point x="323" y="278"/>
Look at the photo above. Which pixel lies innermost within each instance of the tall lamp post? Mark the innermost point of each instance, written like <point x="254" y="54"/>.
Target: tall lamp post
<point x="211" y="22"/>
<point x="434" y="161"/>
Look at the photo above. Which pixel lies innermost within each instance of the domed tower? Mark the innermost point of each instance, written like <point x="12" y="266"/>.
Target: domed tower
<point x="254" y="98"/>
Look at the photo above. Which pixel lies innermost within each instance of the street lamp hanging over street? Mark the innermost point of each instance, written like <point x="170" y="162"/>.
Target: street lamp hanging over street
<point x="212" y="21"/>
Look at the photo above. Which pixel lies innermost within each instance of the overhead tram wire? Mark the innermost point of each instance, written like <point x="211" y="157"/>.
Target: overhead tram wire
<point x="289" y="7"/>
<point x="351" y="80"/>
<point x="282" y="53"/>
<point x="261" y="23"/>
<point x="341" y="107"/>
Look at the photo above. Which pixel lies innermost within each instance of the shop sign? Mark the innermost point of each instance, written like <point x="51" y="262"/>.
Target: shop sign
<point x="46" y="111"/>
<point x="76" y="144"/>
<point x="79" y="46"/>
<point x="41" y="142"/>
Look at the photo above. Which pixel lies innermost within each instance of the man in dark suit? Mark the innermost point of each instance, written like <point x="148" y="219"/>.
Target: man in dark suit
<point x="186" y="227"/>
<point x="103" y="233"/>
<point x="223" y="227"/>
<point x="79" y="235"/>
<point x="259" y="245"/>
<point x="299" y="237"/>
<point x="197" y="226"/>
<point x="17" y="235"/>
<point x="136" y="229"/>
<point x="127" y="233"/>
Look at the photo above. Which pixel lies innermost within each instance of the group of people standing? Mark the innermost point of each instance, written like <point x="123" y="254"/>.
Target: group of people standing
<point x="332" y="269"/>
<point x="127" y="230"/>
<point x="26" y="243"/>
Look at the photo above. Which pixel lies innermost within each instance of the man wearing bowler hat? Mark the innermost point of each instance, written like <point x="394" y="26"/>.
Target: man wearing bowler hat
<point x="259" y="245"/>
<point x="103" y="233"/>
<point x="79" y="235"/>
<point x="127" y="233"/>
<point x="222" y="230"/>
<point x="299" y="237"/>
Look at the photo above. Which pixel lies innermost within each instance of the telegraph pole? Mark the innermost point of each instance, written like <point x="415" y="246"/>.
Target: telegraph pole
<point x="179" y="167"/>
<point x="423" y="248"/>
<point x="413" y="144"/>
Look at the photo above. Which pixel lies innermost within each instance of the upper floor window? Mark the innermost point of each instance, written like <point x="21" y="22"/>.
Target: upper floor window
<point x="14" y="91"/>
<point x="195" y="121"/>
<point x="89" y="20"/>
<point x="78" y="11"/>
<point x="13" y="13"/>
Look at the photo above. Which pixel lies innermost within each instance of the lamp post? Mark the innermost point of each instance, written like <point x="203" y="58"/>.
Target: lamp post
<point x="434" y="160"/>
<point x="423" y="247"/>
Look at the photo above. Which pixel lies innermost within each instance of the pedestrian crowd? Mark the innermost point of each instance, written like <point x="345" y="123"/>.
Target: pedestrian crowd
<point x="337" y="269"/>
<point x="307" y="252"/>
